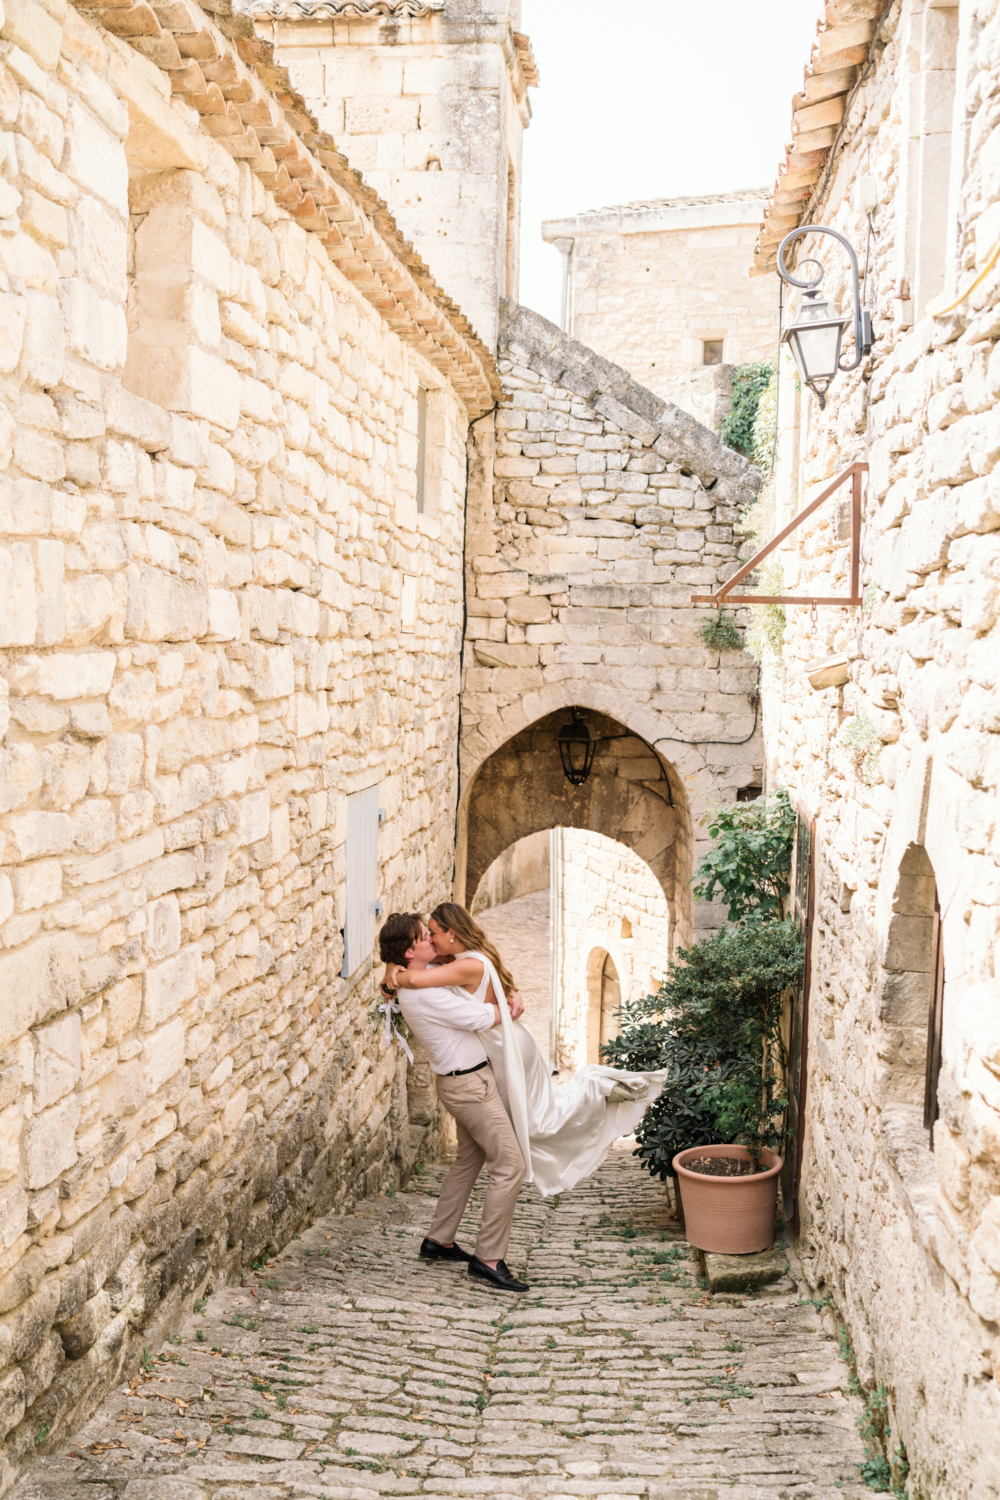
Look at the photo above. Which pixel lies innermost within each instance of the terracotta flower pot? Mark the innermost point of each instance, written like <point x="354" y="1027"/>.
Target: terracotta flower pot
<point x="729" y="1215"/>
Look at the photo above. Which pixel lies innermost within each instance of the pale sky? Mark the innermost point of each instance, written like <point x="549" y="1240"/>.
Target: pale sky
<point x="650" y="99"/>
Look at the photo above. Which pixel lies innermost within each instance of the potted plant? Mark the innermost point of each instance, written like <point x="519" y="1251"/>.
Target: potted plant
<point x="715" y="1023"/>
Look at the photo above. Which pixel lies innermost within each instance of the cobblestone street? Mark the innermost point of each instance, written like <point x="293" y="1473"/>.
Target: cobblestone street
<point x="347" y="1367"/>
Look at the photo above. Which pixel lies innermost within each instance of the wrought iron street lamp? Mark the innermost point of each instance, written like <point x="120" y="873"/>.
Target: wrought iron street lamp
<point x="815" y="336"/>
<point x="577" y="744"/>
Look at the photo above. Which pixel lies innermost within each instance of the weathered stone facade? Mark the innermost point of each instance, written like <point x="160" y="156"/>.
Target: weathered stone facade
<point x="899" y="766"/>
<point x="661" y="288"/>
<point x="211" y="341"/>
<point x="606" y="508"/>
<point x="430" y="102"/>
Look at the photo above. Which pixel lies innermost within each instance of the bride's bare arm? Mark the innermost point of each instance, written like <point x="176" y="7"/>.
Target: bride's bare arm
<point x="463" y="971"/>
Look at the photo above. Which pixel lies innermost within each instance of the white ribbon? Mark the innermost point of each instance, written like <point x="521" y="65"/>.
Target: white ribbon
<point x="389" y="1009"/>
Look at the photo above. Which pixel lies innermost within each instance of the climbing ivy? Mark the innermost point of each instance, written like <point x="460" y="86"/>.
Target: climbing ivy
<point x="749" y="383"/>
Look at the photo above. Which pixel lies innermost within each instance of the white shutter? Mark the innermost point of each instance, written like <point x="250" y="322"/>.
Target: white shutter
<point x="362" y="877"/>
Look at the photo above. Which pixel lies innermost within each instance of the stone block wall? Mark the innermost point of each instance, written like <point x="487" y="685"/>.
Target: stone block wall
<point x="595" y="515"/>
<point x="430" y="102"/>
<point x="899" y="767"/>
<point x="611" y="905"/>
<point x="650" y="282"/>
<point x="207" y="508"/>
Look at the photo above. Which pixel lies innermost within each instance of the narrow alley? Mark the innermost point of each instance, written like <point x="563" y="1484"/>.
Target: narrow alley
<point x="347" y="1367"/>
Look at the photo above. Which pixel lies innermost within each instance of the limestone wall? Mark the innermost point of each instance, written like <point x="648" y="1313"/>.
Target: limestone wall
<point x="899" y="766"/>
<point x="610" y="905"/>
<point x="430" y="102"/>
<point x="595" y="516"/>
<point x="207" y="510"/>
<point x="650" y="282"/>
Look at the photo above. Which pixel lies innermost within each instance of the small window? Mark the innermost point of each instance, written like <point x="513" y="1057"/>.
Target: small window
<point x="711" y="352"/>
<point x="362" y="878"/>
<point x="421" y="449"/>
<point x="409" y="604"/>
<point x="747" y="793"/>
<point x="626" y="928"/>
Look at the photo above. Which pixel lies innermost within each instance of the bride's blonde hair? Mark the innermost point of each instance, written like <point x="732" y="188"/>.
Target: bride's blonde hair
<point x="455" y="918"/>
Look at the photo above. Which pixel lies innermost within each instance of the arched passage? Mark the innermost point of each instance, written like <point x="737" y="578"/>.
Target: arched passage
<point x="632" y="795"/>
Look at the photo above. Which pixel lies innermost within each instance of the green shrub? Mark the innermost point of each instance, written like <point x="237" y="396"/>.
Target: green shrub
<point x="858" y="745"/>
<point x="751" y="858"/>
<point x="720" y="633"/>
<point x="715" y="1023"/>
<point x="750" y="381"/>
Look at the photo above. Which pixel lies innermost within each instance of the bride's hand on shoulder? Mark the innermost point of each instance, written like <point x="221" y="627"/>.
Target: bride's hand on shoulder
<point x="515" y="1004"/>
<point x="390" y="982"/>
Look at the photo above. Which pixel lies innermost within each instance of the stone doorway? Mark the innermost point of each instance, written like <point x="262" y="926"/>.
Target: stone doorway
<point x="604" y="996"/>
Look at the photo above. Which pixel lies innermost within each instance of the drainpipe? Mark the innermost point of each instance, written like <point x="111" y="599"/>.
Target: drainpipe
<point x="565" y="248"/>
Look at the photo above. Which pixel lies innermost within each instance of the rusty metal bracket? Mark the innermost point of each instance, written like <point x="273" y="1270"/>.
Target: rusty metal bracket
<point x="853" y="473"/>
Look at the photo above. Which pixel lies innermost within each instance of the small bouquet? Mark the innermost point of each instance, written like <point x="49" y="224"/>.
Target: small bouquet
<point x="381" y="1012"/>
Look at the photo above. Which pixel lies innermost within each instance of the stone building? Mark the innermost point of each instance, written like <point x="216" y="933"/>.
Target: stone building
<point x="247" y="442"/>
<point x="661" y="287"/>
<point x="429" y="101"/>
<point x="891" y="749"/>
<point x="231" y="584"/>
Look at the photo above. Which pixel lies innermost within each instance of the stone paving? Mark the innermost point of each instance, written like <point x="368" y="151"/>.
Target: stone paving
<point x="347" y="1368"/>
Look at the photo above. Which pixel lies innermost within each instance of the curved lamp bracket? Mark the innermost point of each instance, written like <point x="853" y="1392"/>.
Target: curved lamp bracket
<point x="810" y="285"/>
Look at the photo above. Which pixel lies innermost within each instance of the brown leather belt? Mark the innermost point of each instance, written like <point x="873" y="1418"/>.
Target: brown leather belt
<point x="458" y="1072"/>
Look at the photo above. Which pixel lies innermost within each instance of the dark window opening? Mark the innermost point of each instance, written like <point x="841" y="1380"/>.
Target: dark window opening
<point x="711" y="352"/>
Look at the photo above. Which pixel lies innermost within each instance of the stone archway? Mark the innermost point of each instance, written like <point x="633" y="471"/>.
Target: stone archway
<point x="632" y="796"/>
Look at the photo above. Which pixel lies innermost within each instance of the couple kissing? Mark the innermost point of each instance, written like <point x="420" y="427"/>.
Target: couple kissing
<point x="460" y="1002"/>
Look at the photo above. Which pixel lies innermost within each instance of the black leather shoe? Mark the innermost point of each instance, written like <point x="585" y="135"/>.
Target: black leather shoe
<point x="431" y="1250"/>
<point x="501" y="1277"/>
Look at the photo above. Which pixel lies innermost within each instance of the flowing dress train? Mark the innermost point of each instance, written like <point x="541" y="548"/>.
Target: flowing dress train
<point x="565" y="1131"/>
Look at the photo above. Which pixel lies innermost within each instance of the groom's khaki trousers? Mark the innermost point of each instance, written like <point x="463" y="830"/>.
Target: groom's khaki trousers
<point x="485" y="1136"/>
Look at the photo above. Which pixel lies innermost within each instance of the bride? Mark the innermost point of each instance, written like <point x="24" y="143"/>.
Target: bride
<point x="565" y="1131"/>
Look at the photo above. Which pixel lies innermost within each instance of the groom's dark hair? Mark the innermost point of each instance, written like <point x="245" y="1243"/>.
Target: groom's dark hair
<point x="400" y="930"/>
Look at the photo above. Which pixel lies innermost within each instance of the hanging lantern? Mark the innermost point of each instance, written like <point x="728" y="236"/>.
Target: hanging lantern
<point x="815" y="336"/>
<point x="577" y="746"/>
<point x="814" y="339"/>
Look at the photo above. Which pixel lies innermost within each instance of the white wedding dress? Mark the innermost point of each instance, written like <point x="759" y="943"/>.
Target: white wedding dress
<point x="564" y="1131"/>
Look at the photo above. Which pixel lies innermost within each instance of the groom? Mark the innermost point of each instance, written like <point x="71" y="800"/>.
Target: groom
<point x="447" y="1024"/>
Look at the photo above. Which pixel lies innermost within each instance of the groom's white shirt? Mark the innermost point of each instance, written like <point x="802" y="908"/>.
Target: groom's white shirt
<point x="446" y="1022"/>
